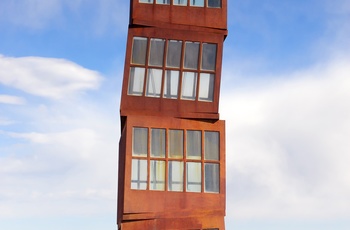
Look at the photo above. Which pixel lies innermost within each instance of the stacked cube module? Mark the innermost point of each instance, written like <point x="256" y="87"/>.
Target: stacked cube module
<point x="172" y="145"/>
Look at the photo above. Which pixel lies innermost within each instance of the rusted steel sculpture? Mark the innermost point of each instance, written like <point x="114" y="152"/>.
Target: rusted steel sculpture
<point x="172" y="145"/>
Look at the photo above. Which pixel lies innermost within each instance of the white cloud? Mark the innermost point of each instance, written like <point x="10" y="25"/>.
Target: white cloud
<point x="47" y="77"/>
<point x="5" y="121"/>
<point x="7" y="99"/>
<point x="65" y="166"/>
<point x="288" y="145"/>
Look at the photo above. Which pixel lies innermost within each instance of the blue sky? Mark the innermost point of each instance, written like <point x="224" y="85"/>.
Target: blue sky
<point x="285" y="98"/>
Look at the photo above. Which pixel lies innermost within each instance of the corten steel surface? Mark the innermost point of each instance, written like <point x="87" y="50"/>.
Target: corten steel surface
<point x="169" y="209"/>
<point x="159" y="15"/>
<point x="149" y="209"/>
<point x="133" y="105"/>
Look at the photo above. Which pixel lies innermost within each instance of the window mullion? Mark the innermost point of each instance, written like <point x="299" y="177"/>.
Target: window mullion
<point x="163" y="67"/>
<point x="146" y="65"/>
<point x="185" y="160"/>
<point x="198" y="69"/>
<point x="182" y="59"/>
<point x="148" y="159"/>
<point x="202" y="161"/>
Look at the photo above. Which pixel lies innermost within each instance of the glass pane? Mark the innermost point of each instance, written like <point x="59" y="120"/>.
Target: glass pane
<point x="146" y="1"/>
<point x="175" y="174"/>
<point x="157" y="173"/>
<point x="171" y="84"/>
<point x="154" y="82"/>
<point x="158" y="143"/>
<point x="163" y="2"/>
<point x="214" y="3"/>
<point x="156" y="52"/>
<point x="139" y="141"/>
<point x="176" y="144"/>
<point x="180" y="2"/>
<point x="206" y="87"/>
<point x="211" y="176"/>
<point x="191" y="55"/>
<point x="139" y="48"/>
<point x="211" y="143"/>
<point x="136" y="80"/>
<point x="209" y="56"/>
<point x="139" y="174"/>
<point x="194" y="144"/>
<point x="174" y="53"/>
<point x="197" y="3"/>
<point x="194" y="178"/>
<point x="189" y="85"/>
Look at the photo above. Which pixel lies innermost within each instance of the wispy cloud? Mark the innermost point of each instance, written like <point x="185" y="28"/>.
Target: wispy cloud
<point x="7" y="99"/>
<point x="65" y="166"/>
<point x="288" y="149"/>
<point x="47" y="77"/>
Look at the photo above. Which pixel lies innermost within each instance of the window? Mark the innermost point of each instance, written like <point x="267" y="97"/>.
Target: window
<point x="185" y="167"/>
<point x="194" y="3"/>
<point x="194" y="144"/>
<point x="189" y="85"/>
<point x="180" y="2"/>
<point x="171" y="84"/>
<point x="208" y="56"/>
<point x="197" y="3"/>
<point x="214" y="3"/>
<point x="174" y="53"/>
<point x="194" y="177"/>
<point x="167" y="2"/>
<point x="154" y="82"/>
<point x="191" y="55"/>
<point x="169" y="63"/>
<point x="157" y="52"/>
<point x="206" y="87"/>
<point x="136" y="79"/>
<point x="139" y="51"/>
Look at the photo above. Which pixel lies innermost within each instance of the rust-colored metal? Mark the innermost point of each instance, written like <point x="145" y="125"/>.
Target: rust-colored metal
<point x="149" y="209"/>
<point x="165" y="16"/>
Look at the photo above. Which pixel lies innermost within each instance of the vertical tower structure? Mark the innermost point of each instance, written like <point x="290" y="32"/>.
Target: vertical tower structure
<point x="172" y="145"/>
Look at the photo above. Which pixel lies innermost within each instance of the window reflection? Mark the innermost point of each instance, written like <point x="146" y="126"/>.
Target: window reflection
<point x="206" y="87"/>
<point x="191" y="55"/>
<point x="136" y="81"/>
<point x="193" y="177"/>
<point x="175" y="174"/>
<point x="214" y="3"/>
<point x="167" y="2"/>
<point x="180" y="2"/>
<point x="211" y="182"/>
<point x="157" y="175"/>
<point x="154" y="82"/>
<point x="189" y="85"/>
<point x="139" y="50"/>
<point x="197" y="3"/>
<point x="176" y="143"/>
<point x="139" y="174"/>
<point x="208" y="56"/>
<point x="158" y="143"/>
<point x="194" y="144"/>
<point x="139" y="142"/>
<point x="171" y="84"/>
<point x="156" y="52"/>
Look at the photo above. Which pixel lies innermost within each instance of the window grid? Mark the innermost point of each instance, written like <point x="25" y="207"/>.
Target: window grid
<point x="184" y="74"/>
<point x="192" y="3"/>
<point x="183" y="163"/>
